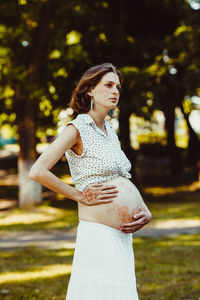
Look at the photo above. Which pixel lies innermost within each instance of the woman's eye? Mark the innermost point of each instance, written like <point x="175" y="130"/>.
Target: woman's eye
<point x="109" y="85"/>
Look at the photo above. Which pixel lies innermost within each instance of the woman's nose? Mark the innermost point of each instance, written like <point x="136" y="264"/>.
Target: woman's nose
<point x="115" y="91"/>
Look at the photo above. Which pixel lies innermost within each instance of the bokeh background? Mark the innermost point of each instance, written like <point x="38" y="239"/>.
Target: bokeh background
<point x="45" y="47"/>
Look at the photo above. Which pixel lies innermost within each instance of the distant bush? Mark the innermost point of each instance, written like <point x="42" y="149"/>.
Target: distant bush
<point x="153" y="149"/>
<point x="159" y="150"/>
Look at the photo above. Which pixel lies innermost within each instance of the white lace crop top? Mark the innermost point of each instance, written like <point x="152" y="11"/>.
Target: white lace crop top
<point x="102" y="158"/>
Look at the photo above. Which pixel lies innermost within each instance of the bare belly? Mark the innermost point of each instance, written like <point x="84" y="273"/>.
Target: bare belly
<point x="119" y="211"/>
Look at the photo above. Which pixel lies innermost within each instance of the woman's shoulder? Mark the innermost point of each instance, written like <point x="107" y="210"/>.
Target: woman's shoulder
<point x="78" y="119"/>
<point x="83" y="117"/>
<point x="80" y="122"/>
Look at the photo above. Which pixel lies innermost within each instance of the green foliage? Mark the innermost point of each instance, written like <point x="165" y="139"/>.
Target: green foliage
<point x="148" y="43"/>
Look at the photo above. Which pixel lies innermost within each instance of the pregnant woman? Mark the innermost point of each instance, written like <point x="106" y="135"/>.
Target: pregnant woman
<point x="110" y="207"/>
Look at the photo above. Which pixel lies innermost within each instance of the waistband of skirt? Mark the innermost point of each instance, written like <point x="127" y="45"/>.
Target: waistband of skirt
<point x="104" y="228"/>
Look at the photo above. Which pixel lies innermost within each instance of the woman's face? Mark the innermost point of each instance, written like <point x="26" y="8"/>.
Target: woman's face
<point x="107" y="92"/>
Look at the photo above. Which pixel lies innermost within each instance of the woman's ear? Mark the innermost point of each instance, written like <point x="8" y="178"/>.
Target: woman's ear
<point x="89" y="93"/>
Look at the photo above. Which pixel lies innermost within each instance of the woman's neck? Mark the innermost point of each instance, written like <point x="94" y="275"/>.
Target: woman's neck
<point x="98" y="118"/>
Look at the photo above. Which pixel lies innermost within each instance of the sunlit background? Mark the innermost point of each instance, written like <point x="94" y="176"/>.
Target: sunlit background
<point x="45" y="47"/>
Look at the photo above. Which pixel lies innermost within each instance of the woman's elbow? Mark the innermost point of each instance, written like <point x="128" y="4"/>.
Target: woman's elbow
<point x="34" y="173"/>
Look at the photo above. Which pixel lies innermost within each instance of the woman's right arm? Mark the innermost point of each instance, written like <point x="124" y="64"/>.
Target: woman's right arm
<point x="40" y="171"/>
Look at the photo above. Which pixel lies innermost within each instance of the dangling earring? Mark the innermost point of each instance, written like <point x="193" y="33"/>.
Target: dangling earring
<point x="111" y="112"/>
<point x="91" y="103"/>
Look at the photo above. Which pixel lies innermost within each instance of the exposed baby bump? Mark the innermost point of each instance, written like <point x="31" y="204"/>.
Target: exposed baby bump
<point x="123" y="212"/>
<point x="120" y="210"/>
<point x="127" y="203"/>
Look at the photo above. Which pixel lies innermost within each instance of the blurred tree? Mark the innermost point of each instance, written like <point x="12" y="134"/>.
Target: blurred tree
<point x="177" y="72"/>
<point x="29" y="55"/>
<point x="46" y="46"/>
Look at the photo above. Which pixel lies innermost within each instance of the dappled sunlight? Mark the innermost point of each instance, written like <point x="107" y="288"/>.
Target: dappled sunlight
<point x="138" y="240"/>
<point x="9" y="179"/>
<point x="166" y="264"/>
<point x="178" y="243"/>
<point x="67" y="250"/>
<point x="174" y="211"/>
<point x="46" y="272"/>
<point x="6" y="204"/>
<point x="65" y="223"/>
<point x="152" y="286"/>
<point x="42" y="217"/>
<point x="179" y="240"/>
<point x="156" y="191"/>
<point x="66" y="178"/>
<point x="32" y="215"/>
<point x="6" y="254"/>
<point x="12" y="147"/>
<point x="187" y="237"/>
<point x="179" y="223"/>
<point x="64" y="253"/>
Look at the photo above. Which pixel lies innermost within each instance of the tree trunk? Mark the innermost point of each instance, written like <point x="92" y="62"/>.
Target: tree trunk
<point x="176" y="165"/>
<point x="30" y="192"/>
<point x="193" y="147"/>
<point x="124" y="136"/>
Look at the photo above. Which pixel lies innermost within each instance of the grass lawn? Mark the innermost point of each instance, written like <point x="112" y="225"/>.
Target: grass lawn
<point x="166" y="268"/>
<point x="47" y="216"/>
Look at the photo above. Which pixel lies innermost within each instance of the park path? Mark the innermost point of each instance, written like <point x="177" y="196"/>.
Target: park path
<point x="55" y="239"/>
<point x="59" y="238"/>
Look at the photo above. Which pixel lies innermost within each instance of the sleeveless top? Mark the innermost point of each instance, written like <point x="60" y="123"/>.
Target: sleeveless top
<point x="102" y="158"/>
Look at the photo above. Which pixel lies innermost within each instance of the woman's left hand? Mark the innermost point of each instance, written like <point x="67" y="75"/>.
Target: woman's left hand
<point x="141" y="218"/>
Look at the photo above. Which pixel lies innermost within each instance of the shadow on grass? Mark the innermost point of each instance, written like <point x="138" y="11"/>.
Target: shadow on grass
<point x="49" y="288"/>
<point x="51" y="214"/>
<point x="168" y="268"/>
<point x="25" y="262"/>
<point x="63" y="223"/>
<point x="183" y="205"/>
<point x="64" y="204"/>
<point x="30" y="259"/>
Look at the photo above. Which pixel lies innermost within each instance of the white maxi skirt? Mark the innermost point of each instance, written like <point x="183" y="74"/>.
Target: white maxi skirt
<point x="103" y="265"/>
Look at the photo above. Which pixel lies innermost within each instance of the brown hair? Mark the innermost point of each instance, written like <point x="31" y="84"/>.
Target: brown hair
<point x="80" y="101"/>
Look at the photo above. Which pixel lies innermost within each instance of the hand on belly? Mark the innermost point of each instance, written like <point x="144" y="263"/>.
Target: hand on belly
<point x="141" y="218"/>
<point x="123" y="208"/>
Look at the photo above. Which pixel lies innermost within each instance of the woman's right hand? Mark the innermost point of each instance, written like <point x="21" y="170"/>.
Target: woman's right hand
<point x="97" y="193"/>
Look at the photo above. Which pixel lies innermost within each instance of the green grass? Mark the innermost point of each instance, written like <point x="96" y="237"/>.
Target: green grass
<point x="32" y="273"/>
<point x="172" y="210"/>
<point x="47" y="216"/>
<point x="166" y="268"/>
